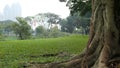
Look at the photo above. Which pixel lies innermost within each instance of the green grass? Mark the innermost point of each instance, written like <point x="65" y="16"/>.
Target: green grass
<point x="14" y="54"/>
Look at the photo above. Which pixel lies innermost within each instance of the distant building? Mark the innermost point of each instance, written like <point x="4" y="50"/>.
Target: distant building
<point x="11" y="12"/>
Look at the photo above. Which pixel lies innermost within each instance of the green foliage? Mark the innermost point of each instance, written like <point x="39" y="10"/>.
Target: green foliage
<point x="52" y="19"/>
<point x="1" y="37"/>
<point x="75" y="21"/>
<point x="22" y="29"/>
<point x="14" y="54"/>
<point x="67" y="25"/>
<point x="39" y="30"/>
<point x="77" y="8"/>
<point x="5" y="27"/>
<point x="54" y="32"/>
<point x="80" y="6"/>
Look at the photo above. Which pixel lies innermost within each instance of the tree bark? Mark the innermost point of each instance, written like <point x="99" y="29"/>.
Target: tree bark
<point x="104" y="42"/>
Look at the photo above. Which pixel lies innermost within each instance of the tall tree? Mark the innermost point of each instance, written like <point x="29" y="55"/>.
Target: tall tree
<point x="22" y="29"/>
<point x="52" y="19"/>
<point x="102" y="50"/>
<point x="68" y="25"/>
<point x="104" y="41"/>
<point x="63" y="23"/>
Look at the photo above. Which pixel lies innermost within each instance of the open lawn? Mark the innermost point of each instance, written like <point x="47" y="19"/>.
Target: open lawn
<point x="14" y="54"/>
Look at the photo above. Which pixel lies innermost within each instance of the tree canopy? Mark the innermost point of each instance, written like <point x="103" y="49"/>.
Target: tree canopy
<point x="22" y="29"/>
<point x="80" y="6"/>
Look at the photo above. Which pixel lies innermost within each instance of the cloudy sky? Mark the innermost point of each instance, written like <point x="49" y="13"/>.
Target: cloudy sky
<point x="33" y="7"/>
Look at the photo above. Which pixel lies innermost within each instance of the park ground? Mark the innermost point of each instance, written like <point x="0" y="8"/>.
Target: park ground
<point x="18" y="53"/>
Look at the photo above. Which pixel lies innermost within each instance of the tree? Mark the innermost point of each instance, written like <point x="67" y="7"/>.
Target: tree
<point x="1" y="36"/>
<point x="75" y="21"/>
<point x="52" y="19"/>
<point x="6" y="27"/>
<point x="68" y="24"/>
<point x="55" y="32"/>
<point x="63" y="23"/>
<point x="102" y="50"/>
<point x="40" y="31"/>
<point x="22" y="29"/>
<point x="103" y="46"/>
<point x="84" y="25"/>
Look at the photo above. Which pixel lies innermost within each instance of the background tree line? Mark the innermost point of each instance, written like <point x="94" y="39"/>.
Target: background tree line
<point x="22" y="30"/>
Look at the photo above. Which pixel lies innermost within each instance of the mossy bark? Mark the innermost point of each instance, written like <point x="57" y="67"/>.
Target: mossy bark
<point x="103" y="47"/>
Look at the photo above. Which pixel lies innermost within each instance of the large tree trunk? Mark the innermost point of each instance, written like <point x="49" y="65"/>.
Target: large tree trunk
<point x="103" y="46"/>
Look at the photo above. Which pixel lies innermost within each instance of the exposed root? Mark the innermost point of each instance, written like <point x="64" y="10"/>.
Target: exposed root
<point x="66" y="64"/>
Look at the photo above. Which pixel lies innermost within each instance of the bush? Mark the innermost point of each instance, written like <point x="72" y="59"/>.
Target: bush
<point x="2" y="37"/>
<point x="54" y="32"/>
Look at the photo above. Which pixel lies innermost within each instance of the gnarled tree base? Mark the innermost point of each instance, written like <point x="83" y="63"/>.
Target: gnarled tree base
<point x="75" y="62"/>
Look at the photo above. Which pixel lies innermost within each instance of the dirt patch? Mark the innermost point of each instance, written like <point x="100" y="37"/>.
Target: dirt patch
<point x="46" y="65"/>
<point x="60" y="54"/>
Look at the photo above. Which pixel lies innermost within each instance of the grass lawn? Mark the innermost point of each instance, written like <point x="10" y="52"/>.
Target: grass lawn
<point x="13" y="54"/>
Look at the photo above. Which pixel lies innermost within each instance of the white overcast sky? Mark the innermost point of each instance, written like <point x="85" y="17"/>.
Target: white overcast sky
<point x="33" y="7"/>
